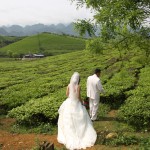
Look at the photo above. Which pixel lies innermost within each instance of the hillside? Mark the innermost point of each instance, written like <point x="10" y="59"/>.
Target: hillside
<point x="5" y="40"/>
<point x="24" y="81"/>
<point x="45" y="43"/>
<point x="32" y="91"/>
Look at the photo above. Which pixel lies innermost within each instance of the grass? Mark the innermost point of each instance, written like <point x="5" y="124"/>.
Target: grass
<point x="127" y="136"/>
<point x="45" y="128"/>
<point x="46" y="43"/>
<point x="5" y="40"/>
<point x="28" y="85"/>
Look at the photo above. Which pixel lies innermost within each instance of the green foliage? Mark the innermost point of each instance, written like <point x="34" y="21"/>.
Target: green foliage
<point x="122" y="24"/>
<point x="46" y="43"/>
<point x="47" y="128"/>
<point x="143" y="143"/>
<point x="25" y="80"/>
<point x="143" y="41"/>
<point x="135" y="111"/>
<point x="6" y="40"/>
<point x="96" y="45"/>
<point x="21" y="93"/>
<point x="30" y="89"/>
<point x="122" y="140"/>
<point x="113" y="15"/>
<point x="36" y="111"/>
<point x="84" y="26"/>
<point x="119" y="83"/>
<point x="103" y="110"/>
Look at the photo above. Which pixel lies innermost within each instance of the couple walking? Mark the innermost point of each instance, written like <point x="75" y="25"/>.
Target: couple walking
<point x="75" y="128"/>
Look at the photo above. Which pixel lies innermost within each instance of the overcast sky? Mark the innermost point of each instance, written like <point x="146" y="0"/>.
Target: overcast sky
<point x="28" y="12"/>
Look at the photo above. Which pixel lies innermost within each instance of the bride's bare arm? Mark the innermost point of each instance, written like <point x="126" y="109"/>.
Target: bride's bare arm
<point x="67" y="91"/>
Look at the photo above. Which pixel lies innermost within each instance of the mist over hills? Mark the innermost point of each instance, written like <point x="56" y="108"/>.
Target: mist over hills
<point x="17" y="30"/>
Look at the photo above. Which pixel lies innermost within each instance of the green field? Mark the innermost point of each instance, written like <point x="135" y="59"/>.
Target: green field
<point x="5" y="40"/>
<point x="45" y="43"/>
<point x="32" y="91"/>
<point x="22" y="81"/>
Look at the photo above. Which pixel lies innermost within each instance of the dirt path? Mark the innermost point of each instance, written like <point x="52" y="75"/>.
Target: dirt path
<point x="10" y="141"/>
<point x="24" y="141"/>
<point x="13" y="141"/>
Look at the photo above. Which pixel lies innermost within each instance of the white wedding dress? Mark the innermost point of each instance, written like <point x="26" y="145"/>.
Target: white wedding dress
<point x="75" y="129"/>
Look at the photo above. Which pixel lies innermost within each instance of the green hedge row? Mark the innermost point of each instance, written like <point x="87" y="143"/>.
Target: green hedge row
<point x="136" y="110"/>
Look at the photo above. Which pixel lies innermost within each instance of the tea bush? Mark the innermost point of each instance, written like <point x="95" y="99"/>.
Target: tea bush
<point x="136" y="110"/>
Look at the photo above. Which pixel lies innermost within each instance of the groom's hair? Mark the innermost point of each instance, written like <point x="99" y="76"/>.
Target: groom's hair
<point x="97" y="70"/>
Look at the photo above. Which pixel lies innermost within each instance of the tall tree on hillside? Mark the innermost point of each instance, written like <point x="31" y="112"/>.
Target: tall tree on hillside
<point x="126" y="21"/>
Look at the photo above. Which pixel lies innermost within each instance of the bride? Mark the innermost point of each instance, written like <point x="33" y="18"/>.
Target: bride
<point x="75" y="129"/>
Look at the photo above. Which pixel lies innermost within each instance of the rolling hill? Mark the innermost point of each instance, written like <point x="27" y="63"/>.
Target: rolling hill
<point x="5" y="40"/>
<point x="45" y="43"/>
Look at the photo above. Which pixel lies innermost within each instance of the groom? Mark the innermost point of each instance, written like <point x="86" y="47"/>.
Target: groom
<point x="94" y="88"/>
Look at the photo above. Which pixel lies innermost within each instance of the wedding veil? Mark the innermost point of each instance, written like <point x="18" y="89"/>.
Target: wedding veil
<point x="74" y="81"/>
<point x="75" y="78"/>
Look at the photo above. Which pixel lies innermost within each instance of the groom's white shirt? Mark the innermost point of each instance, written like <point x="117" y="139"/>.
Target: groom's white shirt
<point x="94" y="87"/>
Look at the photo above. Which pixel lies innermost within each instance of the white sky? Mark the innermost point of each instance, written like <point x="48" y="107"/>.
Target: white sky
<point x="28" y="12"/>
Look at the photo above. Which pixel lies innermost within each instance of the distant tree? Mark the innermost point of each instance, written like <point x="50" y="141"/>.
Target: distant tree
<point x="15" y="55"/>
<point x="116" y="15"/>
<point x="21" y="55"/>
<point x="10" y="53"/>
<point x="85" y="26"/>
<point x="122" y="20"/>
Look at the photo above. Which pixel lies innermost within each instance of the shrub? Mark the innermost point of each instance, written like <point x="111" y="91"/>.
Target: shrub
<point x="135" y="111"/>
<point x="36" y="111"/>
<point x="122" y="140"/>
<point x="136" y="108"/>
